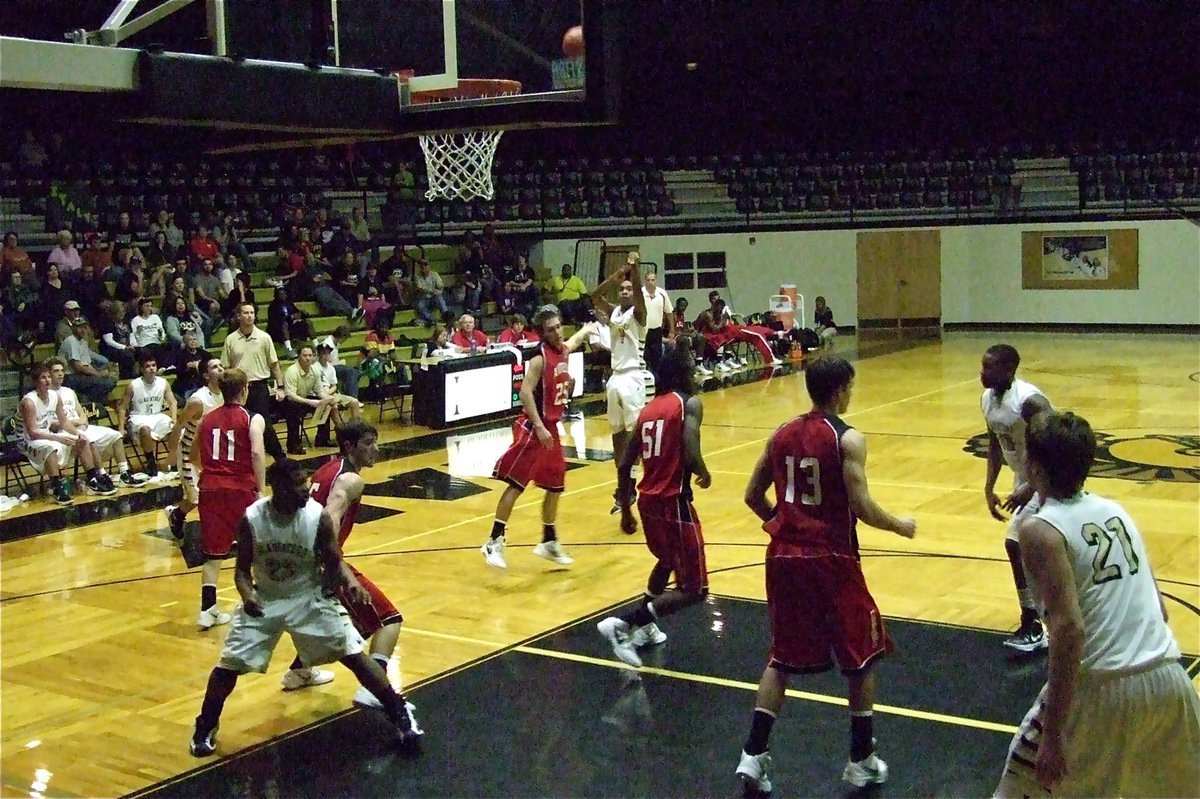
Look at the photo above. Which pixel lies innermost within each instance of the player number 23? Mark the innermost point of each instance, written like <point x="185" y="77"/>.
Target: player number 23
<point x="810" y="472"/>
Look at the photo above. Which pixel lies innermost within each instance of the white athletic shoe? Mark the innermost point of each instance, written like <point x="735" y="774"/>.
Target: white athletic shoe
<point x="616" y="632"/>
<point x="868" y="770"/>
<point x="755" y="772"/>
<point x="212" y="617"/>
<point x="553" y="551"/>
<point x="648" y="635"/>
<point x="295" y="679"/>
<point x="701" y="369"/>
<point x="493" y="552"/>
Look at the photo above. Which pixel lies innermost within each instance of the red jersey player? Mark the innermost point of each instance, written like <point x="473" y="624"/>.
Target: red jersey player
<point x="232" y="465"/>
<point x="338" y="486"/>
<point x="669" y="429"/>
<point x="536" y="453"/>
<point x="817" y="598"/>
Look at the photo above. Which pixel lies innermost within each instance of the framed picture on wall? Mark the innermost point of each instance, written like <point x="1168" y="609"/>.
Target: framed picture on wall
<point x="1079" y="259"/>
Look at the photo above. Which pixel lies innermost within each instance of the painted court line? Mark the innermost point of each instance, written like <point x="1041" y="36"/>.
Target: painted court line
<point x="943" y="718"/>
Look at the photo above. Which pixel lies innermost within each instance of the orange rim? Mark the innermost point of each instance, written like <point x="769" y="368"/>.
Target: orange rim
<point x="468" y="89"/>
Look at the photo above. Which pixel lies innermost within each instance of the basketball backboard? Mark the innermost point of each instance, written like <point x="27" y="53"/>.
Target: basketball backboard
<point x="324" y="71"/>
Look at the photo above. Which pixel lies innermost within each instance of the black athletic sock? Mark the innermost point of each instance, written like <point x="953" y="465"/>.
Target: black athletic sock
<point x="208" y="596"/>
<point x="56" y="482"/>
<point x="647" y="598"/>
<point x="640" y="617"/>
<point x="93" y="473"/>
<point x="862" y="735"/>
<point x="381" y="659"/>
<point x="548" y="533"/>
<point x="297" y="664"/>
<point x="498" y="528"/>
<point x="1028" y="616"/>
<point x="220" y="686"/>
<point x="760" y="731"/>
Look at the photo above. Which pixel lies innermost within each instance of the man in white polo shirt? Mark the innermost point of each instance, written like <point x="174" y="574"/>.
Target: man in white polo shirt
<point x="660" y="320"/>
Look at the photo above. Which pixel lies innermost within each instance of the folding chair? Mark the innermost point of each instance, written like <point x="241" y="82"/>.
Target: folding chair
<point x="392" y="389"/>
<point x="15" y="462"/>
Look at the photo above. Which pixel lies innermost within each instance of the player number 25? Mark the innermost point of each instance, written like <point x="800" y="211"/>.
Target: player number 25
<point x="810" y="471"/>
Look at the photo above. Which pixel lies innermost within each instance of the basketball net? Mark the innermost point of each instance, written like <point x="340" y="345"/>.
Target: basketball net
<point x="458" y="164"/>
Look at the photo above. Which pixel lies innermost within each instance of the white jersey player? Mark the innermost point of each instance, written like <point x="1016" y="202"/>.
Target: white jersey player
<point x="1008" y="404"/>
<point x="201" y="402"/>
<point x="626" y="387"/>
<point x="1118" y="715"/>
<point x="105" y="442"/>
<point x="148" y="406"/>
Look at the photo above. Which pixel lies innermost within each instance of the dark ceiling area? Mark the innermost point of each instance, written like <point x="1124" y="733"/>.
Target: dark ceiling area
<point x="710" y="75"/>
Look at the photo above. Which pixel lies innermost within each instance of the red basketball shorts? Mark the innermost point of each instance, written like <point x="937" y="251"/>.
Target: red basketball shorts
<point x="821" y="606"/>
<point x="528" y="461"/>
<point x="370" y="616"/>
<point x="221" y="511"/>
<point x="673" y="535"/>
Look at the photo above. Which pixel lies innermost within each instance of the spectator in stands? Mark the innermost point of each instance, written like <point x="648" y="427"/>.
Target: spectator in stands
<point x="302" y="396"/>
<point x="131" y="286"/>
<point x="165" y="222"/>
<point x="519" y="292"/>
<point x="378" y="353"/>
<point x="242" y="294"/>
<point x="93" y="293"/>
<point x="202" y="246"/>
<point x="290" y="265"/>
<point x="493" y="251"/>
<point x="405" y="182"/>
<point x="568" y="290"/>
<point x="430" y="293"/>
<point x="13" y="258"/>
<point x="115" y="340"/>
<point x="320" y="286"/>
<point x="467" y="338"/>
<point x="179" y="316"/>
<point x="344" y="405"/>
<point x="229" y="239"/>
<point x="65" y="256"/>
<point x="468" y="268"/>
<point x="31" y="155"/>
<point x="374" y="307"/>
<point x="489" y="285"/>
<point x="176" y="288"/>
<point x="189" y="360"/>
<point x="285" y="320"/>
<point x="97" y="254"/>
<point x="344" y="272"/>
<point x="53" y="294"/>
<point x="365" y="243"/>
<point x="160" y="252"/>
<point x="823" y="323"/>
<point x="121" y="236"/>
<point x="347" y="376"/>
<point x="207" y="293"/>
<point x="71" y="310"/>
<point x="10" y="330"/>
<point x="146" y="329"/>
<point x="22" y="302"/>
<point x="89" y="371"/>
<point x="518" y="333"/>
<point x="342" y="241"/>
<point x="227" y="274"/>
<point x="470" y="253"/>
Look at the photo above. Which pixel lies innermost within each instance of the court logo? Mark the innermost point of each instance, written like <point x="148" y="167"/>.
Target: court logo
<point x="1158" y="456"/>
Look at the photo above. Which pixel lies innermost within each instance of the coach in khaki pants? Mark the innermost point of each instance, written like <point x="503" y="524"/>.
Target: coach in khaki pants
<point x="251" y="349"/>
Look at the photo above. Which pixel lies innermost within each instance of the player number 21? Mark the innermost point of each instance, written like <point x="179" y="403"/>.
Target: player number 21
<point x="1102" y="539"/>
<point x="810" y="469"/>
<point x="216" y="444"/>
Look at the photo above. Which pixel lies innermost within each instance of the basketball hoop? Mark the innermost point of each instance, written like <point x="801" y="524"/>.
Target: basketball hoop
<point x="459" y="163"/>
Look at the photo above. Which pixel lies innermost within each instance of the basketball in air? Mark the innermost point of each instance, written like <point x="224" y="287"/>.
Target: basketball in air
<point x="573" y="42"/>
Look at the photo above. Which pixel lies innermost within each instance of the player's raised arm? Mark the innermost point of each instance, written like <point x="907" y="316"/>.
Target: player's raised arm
<point x="580" y="336"/>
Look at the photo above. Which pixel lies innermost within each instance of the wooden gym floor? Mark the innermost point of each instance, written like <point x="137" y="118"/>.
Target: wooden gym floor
<point x="103" y="669"/>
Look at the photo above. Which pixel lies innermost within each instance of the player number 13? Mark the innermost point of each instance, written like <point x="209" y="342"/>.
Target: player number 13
<point x="810" y="472"/>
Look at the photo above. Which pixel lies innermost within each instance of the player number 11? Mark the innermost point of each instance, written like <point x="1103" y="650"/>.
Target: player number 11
<point x="216" y="444"/>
